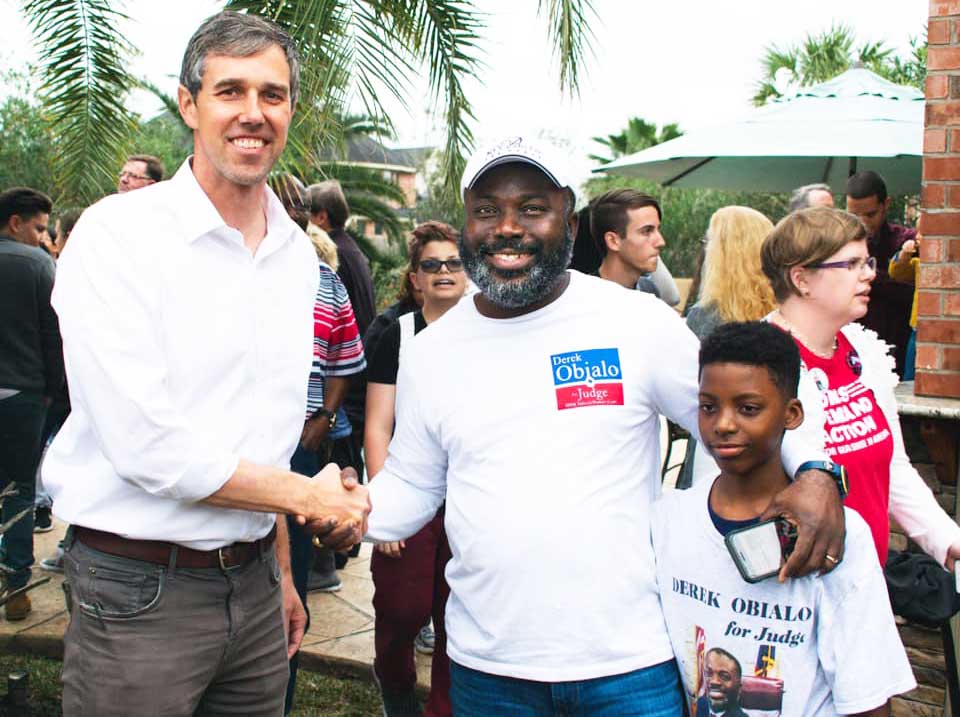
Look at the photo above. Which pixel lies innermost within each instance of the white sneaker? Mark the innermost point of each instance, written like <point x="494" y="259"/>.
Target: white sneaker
<point x="425" y="639"/>
<point x="54" y="563"/>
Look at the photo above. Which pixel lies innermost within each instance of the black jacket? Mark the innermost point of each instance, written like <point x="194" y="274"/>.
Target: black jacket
<point x="31" y="355"/>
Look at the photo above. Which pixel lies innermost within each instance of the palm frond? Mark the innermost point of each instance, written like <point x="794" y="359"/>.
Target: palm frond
<point x="169" y="102"/>
<point x="570" y="33"/>
<point x="775" y="59"/>
<point x="444" y="34"/>
<point x="766" y="91"/>
<point x="826" y="55"/>
<point x="84" y="88"/>
<point x="355" y="179"/>
<point x="874" y="54"/>
<point x="318" y="28"/>
<point x="374" y="210"/>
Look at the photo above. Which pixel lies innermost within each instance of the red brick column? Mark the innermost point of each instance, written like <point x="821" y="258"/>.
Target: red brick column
<point x="938" y="324"/>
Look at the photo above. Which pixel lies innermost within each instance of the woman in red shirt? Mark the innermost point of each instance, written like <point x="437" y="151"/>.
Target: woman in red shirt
<point x="818" y="264"/>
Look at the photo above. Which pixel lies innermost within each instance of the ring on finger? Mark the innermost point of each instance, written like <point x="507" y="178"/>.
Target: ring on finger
<point x="833" y="560"/>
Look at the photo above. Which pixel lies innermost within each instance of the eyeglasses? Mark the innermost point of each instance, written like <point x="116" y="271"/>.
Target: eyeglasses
<point x="432" y="266"/>
<point x="131" y="175"/>
<point x="857" y="264"/>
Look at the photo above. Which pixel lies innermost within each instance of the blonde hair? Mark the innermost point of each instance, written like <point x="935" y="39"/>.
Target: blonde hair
<point x="323" y="245"/>
<point x="805" y="237"/>
<point x="733" y="284"/>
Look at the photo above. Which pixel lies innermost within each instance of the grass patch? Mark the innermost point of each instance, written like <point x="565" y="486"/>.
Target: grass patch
<point x="318" y="695"/>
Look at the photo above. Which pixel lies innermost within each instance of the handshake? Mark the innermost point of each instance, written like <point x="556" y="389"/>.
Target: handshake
<point x="338" y="507"/>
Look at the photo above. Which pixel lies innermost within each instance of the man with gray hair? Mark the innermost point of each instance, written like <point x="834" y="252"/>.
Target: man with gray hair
<point x="189" y="345"/>
<point x="811" y="195"/>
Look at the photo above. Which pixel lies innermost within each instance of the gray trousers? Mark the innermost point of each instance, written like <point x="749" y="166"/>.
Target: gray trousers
<point x="146" y="639"/>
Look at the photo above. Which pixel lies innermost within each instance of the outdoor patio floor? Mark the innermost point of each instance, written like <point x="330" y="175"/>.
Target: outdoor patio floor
<point x="340" y="638"/>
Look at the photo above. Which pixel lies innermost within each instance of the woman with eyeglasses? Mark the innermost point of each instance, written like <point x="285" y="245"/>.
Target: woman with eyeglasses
<point x="817" y="262"/>
<point x="408" y="575"/>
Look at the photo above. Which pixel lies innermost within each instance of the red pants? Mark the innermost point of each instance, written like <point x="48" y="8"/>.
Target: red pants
<point x="408" y="590"/>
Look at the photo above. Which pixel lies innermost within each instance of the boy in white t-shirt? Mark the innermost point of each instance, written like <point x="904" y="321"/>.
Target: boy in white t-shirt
<point x="814" y="646"/>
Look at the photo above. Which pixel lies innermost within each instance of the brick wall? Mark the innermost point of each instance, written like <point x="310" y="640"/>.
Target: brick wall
<point x="938" y="325"/>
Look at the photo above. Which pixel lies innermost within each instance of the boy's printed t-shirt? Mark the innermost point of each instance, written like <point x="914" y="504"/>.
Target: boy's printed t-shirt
<point x="856" y="435"/>
<point x="813" y="646"/>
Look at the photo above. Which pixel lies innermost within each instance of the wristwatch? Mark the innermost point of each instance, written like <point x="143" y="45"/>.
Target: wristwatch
<point x="836" y="471"/>
<point x="331" y="416"/>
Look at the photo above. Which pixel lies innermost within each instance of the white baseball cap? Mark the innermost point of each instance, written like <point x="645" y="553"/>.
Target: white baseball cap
<point x="517" y="149"/>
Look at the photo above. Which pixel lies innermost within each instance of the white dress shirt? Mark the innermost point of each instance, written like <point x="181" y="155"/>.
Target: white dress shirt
<point x="184" y="353"/>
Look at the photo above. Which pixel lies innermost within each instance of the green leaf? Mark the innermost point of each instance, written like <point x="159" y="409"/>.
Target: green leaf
<point x="571" y="36"/>
<point x="83" y="89"/>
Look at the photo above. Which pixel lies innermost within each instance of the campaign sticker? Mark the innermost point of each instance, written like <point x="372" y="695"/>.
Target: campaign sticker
<point x="587" y="378"/>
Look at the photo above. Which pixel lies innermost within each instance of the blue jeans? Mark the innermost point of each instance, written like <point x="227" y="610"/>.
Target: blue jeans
<point x="910" y="360"/>
<point x="21" y="426"/>
<point x="652" y="692"/>
<point x="56" y="415"/>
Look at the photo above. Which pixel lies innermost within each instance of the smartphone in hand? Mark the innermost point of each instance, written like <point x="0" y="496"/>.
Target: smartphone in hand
<point x="759" y="551"/>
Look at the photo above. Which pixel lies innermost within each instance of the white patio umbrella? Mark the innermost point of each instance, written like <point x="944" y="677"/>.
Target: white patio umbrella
<point x="823" y="133"/>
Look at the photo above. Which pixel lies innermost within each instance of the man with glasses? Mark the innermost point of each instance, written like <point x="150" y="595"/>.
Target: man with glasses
<point x="140" y="170"/>
<point x="890" y="301"/>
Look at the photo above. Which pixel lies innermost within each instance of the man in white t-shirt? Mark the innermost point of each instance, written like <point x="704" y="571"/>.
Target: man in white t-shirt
<point x="817" y="646"/>
<point x="533" y="409"/>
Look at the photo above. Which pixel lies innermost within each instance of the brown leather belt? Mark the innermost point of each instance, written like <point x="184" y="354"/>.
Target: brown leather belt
<point x="158" y="551"/>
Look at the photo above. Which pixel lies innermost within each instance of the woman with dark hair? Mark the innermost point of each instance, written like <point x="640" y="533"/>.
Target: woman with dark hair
<point x="819" y="266"/>
<point x="408" y="574"/>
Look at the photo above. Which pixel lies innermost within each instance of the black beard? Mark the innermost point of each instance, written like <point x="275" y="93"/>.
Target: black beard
<point x="505" y="288"/>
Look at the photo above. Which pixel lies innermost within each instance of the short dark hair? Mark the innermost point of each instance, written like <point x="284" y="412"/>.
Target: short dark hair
<point x="723" y="653"/>
<point x="68" y="219"/>
<point x="328" y="197"/>
<point x="608" y="213"/>
<point x="425" y="233"/>
<point x="422" y="235"/>
<point x="292" y="195"/>
<point x="755" y="343"/>
<point x="23" y="202"/>
<point x="236" y="34"/>
<point x="867" y="184"/>
<point x="155" y="168"/>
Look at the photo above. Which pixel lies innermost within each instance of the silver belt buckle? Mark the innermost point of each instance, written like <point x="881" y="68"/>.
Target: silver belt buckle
<point x="223" y="565"/>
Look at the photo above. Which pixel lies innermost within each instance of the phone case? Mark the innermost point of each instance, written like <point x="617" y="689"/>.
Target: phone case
<point x="728" y="539"/>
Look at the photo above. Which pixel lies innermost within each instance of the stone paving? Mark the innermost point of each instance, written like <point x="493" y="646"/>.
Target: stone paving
<point x="340" y="638"/>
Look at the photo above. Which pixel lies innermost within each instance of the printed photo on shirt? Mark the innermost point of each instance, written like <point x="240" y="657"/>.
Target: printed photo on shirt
<point x="734" y="680"/>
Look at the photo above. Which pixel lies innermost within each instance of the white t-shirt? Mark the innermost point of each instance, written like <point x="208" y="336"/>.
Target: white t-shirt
<point x="814" y="646"/>
<point x="542" y="433"/>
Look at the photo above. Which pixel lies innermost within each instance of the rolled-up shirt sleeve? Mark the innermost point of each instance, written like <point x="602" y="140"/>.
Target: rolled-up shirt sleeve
<point x="117" y="371"/>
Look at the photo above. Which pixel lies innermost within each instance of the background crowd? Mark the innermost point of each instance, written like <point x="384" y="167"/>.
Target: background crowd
<point x="840" y="284"/>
